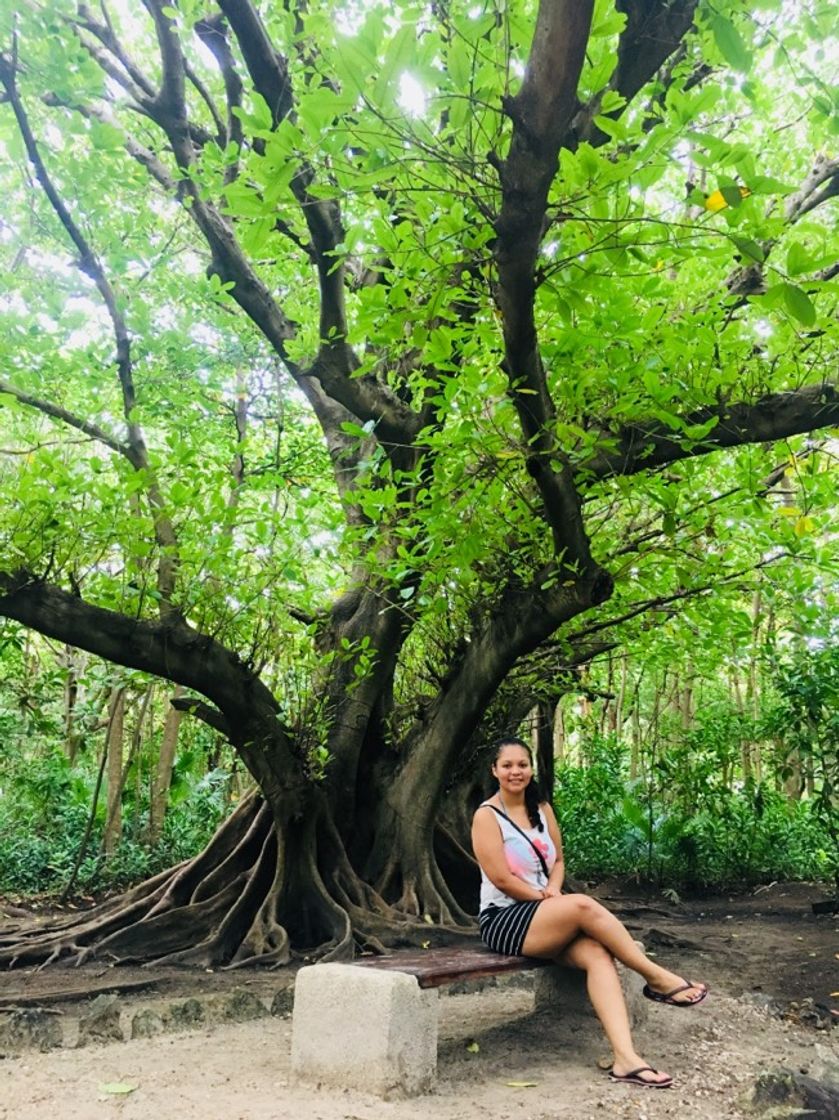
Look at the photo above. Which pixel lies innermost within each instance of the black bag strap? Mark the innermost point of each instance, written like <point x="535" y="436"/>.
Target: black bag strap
<point x="523" y="833"/>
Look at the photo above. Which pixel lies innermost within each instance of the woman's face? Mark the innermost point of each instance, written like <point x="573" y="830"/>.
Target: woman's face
<point x="512" y="769"/>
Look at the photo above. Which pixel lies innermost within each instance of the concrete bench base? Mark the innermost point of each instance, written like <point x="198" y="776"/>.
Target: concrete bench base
<point x="355" y="1027"/>
<point x="376" y="1031"/>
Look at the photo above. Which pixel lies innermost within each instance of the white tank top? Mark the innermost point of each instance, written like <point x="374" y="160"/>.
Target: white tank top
<point x="521" y="859"/>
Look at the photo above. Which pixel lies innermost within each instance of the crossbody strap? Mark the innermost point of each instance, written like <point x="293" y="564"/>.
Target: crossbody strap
<point x="524" y="834"/>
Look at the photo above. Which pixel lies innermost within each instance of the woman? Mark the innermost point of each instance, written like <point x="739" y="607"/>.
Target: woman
<point x="518" y="846"/>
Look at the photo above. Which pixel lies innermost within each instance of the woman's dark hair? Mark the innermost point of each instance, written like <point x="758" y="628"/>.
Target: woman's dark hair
<point x="532" y="794"/>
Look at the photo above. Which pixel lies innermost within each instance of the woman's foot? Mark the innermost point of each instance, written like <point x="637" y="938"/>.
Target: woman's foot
<point x="631" y="1069"/>
<point x="668" y="987"/>
<point x="645" y="1076"/>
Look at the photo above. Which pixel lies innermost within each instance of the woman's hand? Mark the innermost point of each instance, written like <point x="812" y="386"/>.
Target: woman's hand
<point x="551" y="892"/>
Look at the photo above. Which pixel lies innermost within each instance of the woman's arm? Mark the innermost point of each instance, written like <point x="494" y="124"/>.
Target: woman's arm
<point x="488" y="847"/>
<point x="557" y="875"/>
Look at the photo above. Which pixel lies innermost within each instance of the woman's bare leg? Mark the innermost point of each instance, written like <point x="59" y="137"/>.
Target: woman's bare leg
<point x="558" y="921"/>
<point x="607" y="999"/>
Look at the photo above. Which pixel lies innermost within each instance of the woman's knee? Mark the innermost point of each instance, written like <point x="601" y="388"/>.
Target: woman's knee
<point x="582" y="904"/>
<point x="587" y="954"/>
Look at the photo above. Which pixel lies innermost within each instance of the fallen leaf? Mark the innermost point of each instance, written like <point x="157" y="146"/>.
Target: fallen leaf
<point x="473" y="1048"/>
<point x="521" y="1084"/>
<point x="117" y="1088"/>
<point x="834" y="994"/>
<point x="425" y="944"/>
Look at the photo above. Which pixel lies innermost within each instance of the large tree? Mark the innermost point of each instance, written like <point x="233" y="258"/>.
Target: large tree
<point x="395" y="340"/>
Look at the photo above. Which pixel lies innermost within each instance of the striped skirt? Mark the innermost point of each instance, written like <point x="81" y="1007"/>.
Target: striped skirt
<point x="504" y="928"/>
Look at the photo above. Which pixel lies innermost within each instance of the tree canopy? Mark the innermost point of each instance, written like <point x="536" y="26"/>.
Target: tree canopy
<point x="365" y="367"/>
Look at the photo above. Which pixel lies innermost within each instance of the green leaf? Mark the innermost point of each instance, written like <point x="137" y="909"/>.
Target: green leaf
<point x="117" y="1088"/>
<point x="400" y="54"/>
<point x="799" y="304"/>
<point x="105" y="136"/>
<point x="730" y="44"/>
<point x="765" y="184"/>
<point x="798" y="259"/>
<point x="732" y="195"/>
<point x="458" y="62"/>
<point x="611" y="127"/>
<point x="749" y="248"/>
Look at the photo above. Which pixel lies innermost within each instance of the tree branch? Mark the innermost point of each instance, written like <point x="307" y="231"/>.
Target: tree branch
<point x="654" y="30"/>
<point x="363" y="398"/>
<point x="58" y="413"/>
<point x="204" y="94"/>
<point x="647" y="445"/>
<point x="662" y="601"/>
<point x="167" y="648"/>
<point x="172" y="649"/>
<point x="211" y="716"/>
<point x="213" y="34"/>
<point x="170" y="99"/>
<point x="820" y="185"/>
<point x="541" y="113"/>
<point x="89" y="263"/>
<point x="366" y="398"/>
<point x="268" y="68"/>
<point x="104" y="32"/>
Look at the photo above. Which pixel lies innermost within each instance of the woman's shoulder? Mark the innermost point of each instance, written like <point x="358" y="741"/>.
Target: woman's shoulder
<point x="485" y="811"/>
<point x="488" y="804"/>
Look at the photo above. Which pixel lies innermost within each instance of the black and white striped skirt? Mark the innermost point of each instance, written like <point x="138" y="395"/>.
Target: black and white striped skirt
<point x="504" y="928"/>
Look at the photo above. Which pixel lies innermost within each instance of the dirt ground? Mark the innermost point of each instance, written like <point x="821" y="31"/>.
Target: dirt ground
<point x="496" y="1057"/>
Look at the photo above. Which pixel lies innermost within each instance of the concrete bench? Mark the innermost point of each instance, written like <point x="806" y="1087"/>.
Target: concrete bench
<point x="372" y="1025"/>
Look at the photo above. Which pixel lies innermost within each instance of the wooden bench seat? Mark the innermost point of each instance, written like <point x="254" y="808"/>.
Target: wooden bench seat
<point x="434" y="968"/>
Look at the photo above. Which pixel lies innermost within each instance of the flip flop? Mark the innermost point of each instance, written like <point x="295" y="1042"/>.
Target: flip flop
<point x="634" y="1078"/>
<point x="667" y="997"/>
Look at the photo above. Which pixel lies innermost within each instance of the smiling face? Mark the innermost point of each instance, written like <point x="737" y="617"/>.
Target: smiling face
<point x="512" y="768"/>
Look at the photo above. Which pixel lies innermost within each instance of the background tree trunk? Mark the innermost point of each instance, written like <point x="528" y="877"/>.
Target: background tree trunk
<point x="543" y="736"/>
<point x="162" y="776"/>
<point x="114" y="772"/>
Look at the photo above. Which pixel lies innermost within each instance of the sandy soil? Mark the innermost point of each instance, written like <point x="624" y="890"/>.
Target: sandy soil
<point x="241" y="1072"/>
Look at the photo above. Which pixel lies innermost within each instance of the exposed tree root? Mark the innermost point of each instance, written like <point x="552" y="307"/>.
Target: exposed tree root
<point x="255" y="895"/>
<point x="185" y="914"/>
<point x="376" y="924"/>
<point x="424" y="892"/>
